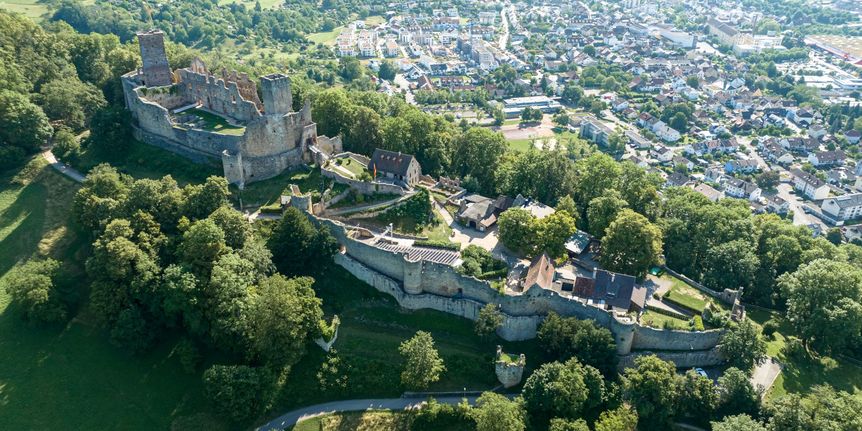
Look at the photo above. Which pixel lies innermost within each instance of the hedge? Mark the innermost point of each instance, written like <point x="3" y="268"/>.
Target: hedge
<point x="499" y="273"/>
<point x="667" y="312"/>
<point x="437" y="244"/>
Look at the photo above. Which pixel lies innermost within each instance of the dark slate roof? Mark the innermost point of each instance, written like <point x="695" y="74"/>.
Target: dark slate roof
<point x="390" y="161"/>
<point x="618" y="290"/>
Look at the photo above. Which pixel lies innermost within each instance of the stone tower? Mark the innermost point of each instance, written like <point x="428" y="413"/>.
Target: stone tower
<point x="277" y="98"/>
<point x="509" y="369"/>
<point x="156" y="70"/>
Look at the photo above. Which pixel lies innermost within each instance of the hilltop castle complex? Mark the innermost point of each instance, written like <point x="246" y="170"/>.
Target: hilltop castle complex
<point x="193" y="112"/>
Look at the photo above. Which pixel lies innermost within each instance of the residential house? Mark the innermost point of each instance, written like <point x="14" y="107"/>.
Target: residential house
<point x="676" y="179"/>
<point x="827" y="158"/>
<point x="812" y="187"/>
<point x="397" y="166"/>
<point x="741" y="166"/>
<point x="682" y="161"/>
<point x="540" y="273"/>
<point x="661" y="153"/>
<point x="800" y="145"/>
<point x="480" y="212"/>
<point x="595" y="131"/>
<point x="776" y="154"/>
<point x="710" y="192"/>
<point x="816" y="131"/>
<point x="637" y="141"/>
<point x="608" y="290"/>
<point x="852" y="136"/>
<point x="741" y="189"/>
<point x="777" y="205"/>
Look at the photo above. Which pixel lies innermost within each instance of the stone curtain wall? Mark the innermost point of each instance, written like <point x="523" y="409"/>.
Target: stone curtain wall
<point x="440" y="287"/>
<point x="697" y="358"/>
<point x="647" y="338"/>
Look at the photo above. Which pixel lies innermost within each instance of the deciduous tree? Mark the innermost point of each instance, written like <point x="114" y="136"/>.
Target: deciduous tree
<point x="651" y="388"/>
<point x="631" y="244"/>
<point x="422" y="363"/>
<point x="284" y="314"/>
<point x="32" y="288"/>
<point x="495" y="412"/>
<point x="742" y="346"/>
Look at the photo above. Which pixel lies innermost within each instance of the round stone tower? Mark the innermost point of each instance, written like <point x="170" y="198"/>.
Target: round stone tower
<point x="412" y="276"/>
<point x="623" y="328"/>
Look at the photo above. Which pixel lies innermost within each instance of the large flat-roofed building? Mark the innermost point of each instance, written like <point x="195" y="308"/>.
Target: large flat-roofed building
<point x="514" y="106"/>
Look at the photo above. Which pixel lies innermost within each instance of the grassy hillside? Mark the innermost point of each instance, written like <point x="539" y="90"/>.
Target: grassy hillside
<point x="70" y="377"/>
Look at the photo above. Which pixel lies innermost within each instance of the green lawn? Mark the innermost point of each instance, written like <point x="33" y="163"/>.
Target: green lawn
<point x="268" y="191"/>
<point x="325" y="37"/>
<point x="799" y="375"/>
<point x="31" y="8"/>
<point x="355" y="168"/>
<point x="657" y="320"/>
<point x="687" y="301"/>
<point x="70" y="377"/>
<point x="686" y="295"/>
<point x="520" y="144"/>
<point x="216" y="123"/>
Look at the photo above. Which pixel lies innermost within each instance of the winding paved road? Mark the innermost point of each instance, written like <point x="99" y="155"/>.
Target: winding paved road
<point x="289" y="419"/>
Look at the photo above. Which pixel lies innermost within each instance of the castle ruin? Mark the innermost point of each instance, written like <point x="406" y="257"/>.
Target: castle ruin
<point x="201" y="115"/>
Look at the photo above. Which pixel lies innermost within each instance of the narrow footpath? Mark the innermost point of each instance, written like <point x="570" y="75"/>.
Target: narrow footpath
<point x="62" y="167"/>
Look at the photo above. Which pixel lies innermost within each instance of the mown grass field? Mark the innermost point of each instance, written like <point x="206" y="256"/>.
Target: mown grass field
<point x="31" y="8"/>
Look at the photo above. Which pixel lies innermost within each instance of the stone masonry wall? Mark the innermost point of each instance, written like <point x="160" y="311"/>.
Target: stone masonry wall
<point x="440" y="287"/>
<point x="697" y="358"/>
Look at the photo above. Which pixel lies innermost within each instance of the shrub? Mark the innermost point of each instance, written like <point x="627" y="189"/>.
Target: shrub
<point x="437" y="244"/>
<point x="696" y="323"/>
<point x="770" y="327"/>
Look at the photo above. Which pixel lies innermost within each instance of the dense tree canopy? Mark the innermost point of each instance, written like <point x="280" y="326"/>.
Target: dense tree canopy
<point x="631" y="244"/>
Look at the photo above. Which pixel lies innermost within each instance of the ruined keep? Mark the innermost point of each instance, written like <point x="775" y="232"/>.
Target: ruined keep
<point x="509" y="369"/>
<point x="201" y="115"/>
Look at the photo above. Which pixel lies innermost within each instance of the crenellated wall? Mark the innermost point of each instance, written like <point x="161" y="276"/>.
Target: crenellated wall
<point x="425" y="284"/>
